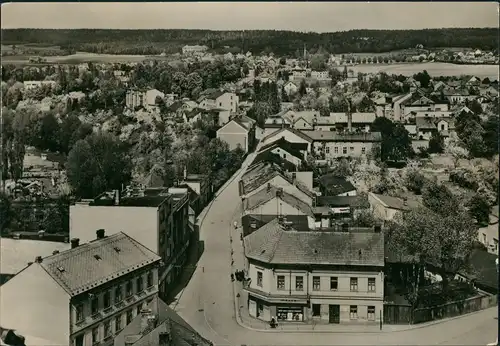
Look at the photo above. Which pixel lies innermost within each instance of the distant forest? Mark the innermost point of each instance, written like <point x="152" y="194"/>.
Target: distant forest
<point x="283" y="43"/>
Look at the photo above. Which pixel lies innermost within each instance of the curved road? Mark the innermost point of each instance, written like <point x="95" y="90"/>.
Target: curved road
<point x="207" y="301"/>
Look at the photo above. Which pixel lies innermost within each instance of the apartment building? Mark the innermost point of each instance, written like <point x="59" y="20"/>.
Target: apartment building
<point x="220" y="100"/>
<point x="316" y="277"/>
<point x="154" y="217"/>
<point x="143" y="98"/>
<point x="82" y="296"/>
<point x="331" y="145"/>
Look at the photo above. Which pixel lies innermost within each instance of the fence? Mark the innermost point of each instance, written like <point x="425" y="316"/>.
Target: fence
<point x="403" y="314"/>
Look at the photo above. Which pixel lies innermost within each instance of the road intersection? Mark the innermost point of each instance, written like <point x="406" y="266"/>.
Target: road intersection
<point x="208" y="304"/>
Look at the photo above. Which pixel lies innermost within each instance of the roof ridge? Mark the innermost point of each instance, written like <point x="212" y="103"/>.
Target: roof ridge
<point x="276" y="243"/>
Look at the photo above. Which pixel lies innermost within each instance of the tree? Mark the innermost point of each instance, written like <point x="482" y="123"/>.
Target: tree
<point x="302" y="88"/>
<point x="491" y="135"/>
<point x="479" y="209"/>
<point x="96" y="164"/>
<point x="68" y="127"/>
<point x="415" y="181"/>
<point x="424" y="78"/>
<point x="6" y="212"/>
<point x="438" y="198"/>
<point x="436" y="143"/>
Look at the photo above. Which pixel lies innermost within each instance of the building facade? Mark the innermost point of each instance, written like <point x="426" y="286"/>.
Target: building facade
<point x="325" y="283"/>
<point x="85" y="295"/>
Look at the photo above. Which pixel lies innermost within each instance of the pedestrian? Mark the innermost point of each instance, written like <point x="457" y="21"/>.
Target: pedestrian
<point x="235" y="224"/>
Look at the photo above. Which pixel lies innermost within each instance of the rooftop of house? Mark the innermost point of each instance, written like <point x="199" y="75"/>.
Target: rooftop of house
<point x="269" y="157"/>
<point x="274" y="243"/>
<point x="335" y="185"/>
<point x="359" y="201"/>
<point x="253" y="222"/>
<point x="150" y="197"/>
<point x="295" y="132"/>
<point x="425" y="123"/>
<point x="265" y="195"/>
<point x="167" y="321"/>
<point x="88" y="265"/>
<point x="331" y="136"/>
<point x="16" y="253"/>
<point x="396" y="203"/>
<point x="215" y="95"/>
<point x="288" y="146"/>
<point x="357" y="118"/>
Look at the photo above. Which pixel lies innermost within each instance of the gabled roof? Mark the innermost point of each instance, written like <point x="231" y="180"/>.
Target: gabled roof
<point x="335" y="185"/>
<point x="265" y="195"/>
<point x="234" y="121"/>
<point x="396" y="203"/>
<point x="215" y="95"/>
<point x="295" y="132"/>
<point x="268" y="157"/>
<point x="425" y="123"/>
<point x="283" y="143"/>
<point x="175" y="106"/>
<point x="275" y="244"/>
<point x="78" y="270"/>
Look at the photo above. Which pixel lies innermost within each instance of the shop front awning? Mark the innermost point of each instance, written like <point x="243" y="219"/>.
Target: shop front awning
<point x="277" y="299"/>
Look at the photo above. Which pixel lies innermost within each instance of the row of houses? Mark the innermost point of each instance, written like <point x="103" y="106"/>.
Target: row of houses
<point x="307" y="257"/>
<point x="108" y="285"/>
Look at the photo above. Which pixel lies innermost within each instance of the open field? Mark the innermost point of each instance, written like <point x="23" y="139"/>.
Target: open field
<point x="433" y="68"/>
<point x="77" y="58"/>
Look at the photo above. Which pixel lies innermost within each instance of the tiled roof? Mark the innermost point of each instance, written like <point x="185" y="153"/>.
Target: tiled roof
<point x="269" y="157"/>
<point x="275" y="244"/>
<point x="298" y="222"/>
<point x="425" y="123"/>
<point x="283" y="143"/>
<point x="335" y="185"/>
<point x="88" y="265"/>
<point x="396" y="203"/>
<point x="331" y="136"/>
<point x="16" y="253"/>
<point x="295" y="132"/>
<point x="357" y="118"/>
<point x="268" y="193"/>
<point x="343" y="201"/>
<point x="175" y="106"/>
<point x="216" y="94"/>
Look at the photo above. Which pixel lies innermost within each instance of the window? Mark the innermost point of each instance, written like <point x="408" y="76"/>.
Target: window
<point x="128" y="289"/>
<point x="107" y="299"/>
<point x="351" y="149"/>
<point x="354" y="284"/>
<point x="299" y="283"/>
<point x="316" y="309"/>
<point x="336" y="150"/>
<point x="138" y="309"/>
<point x="334" y="283"/>
<point x="79" y="312"/>
<point x="442" y="127"/>
<point x="220" y="104"/>
<point x="316" y="283"/>
<point x="371" y="313"/>
<point x="259" y="279"/>
<point x="150" y="279"/>
<point x="371" y="284"/>
<point x="281" y="282"/>
<point x="139" y="284"/>
<point x="344" y="150"/>
<point x="95" y="335"/>
<point x="363" y="150"/>
<point x="129" y="316"/>
<point x="327" y="150"/>
<point x="118" y="294"/>
<point x="118" y="323"/>
<point x="107" y="329"/>
<point x="353" y="312"/>
<point x="94" y="305"/>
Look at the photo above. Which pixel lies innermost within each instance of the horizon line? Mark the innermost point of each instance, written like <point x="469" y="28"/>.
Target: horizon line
<point x="243" y="30"/>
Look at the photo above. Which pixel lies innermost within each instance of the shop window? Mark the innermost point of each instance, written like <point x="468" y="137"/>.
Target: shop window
<point x="371" y="313"/>
<point x="316" y="310"/>
<point x="353" y="312"/>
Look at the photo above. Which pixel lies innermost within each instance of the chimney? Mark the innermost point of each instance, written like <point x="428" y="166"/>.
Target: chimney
<point x="164" y="339"/>
<point x="185" y="173"/>
<point x="38" y="259"/>
<point x="75" y="242"/>
<point x="349" y="117"/>
<point x="100" y="233"/>
<point x="55" y="252"/>
<point x="117" y="197"/>
<point x="30" y="263"/>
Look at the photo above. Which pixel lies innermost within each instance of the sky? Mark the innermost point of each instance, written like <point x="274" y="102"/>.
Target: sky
<point x="296" y="16"/>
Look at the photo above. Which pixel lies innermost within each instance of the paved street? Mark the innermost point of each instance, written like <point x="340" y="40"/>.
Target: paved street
<point x="207" y="301"/>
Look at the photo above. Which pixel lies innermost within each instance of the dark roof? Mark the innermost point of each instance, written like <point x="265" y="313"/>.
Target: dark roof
<point x="343" y="201"/>
<point x="268" y="193"/>
<point x="331" y="136"/>
<point x="78" y="270"/>
<point x="214" y="95"/>
<point x="268" y="156"/>
<point x="425" y="123"/>
<point x="297" y="222"/>
<point x="175" y="106"/>
<point x="288" y="146"/>
<point x="397" y="203"/>
<point x="334" y="185"/>
<point x="276" y="244"/>
<point x="482" y="269"/>
<point x="192" y="113"/>
<point x="294" y="131"/>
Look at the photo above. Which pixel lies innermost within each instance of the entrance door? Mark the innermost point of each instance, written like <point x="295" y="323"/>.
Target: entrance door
<point x="334" y="314"/>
